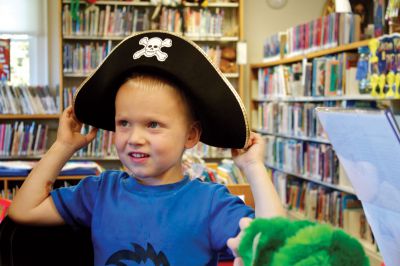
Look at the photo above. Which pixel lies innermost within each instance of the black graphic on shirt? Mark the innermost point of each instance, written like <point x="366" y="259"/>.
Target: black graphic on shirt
<point x="139" y="255"/>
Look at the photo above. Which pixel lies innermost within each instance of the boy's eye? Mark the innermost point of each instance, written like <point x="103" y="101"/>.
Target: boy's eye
<point x="123" y="123"/>
<point x="153" y="124"/>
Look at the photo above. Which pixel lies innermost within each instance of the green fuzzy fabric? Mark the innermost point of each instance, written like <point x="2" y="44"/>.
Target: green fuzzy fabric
<point x="282" y="242"/>
<point x="274" y="234"/>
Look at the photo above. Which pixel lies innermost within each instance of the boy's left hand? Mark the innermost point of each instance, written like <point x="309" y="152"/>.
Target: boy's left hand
<point x="252" y="154"/>
<point x="233" y="243"/>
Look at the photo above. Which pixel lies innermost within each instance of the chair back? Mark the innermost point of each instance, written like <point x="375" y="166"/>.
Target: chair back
<point x="22" y="245"/>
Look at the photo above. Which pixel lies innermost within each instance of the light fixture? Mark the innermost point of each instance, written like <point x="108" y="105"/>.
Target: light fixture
<point x="276" y="4"/>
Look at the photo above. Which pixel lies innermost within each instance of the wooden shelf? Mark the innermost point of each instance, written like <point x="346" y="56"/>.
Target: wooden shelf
<point x="242" y="190"/>
<point x="311" y="55"/>
<point x="92" y="158"/>
<point x="85" y="37"/>
<point x="21" y="158"/>
<point x="24" y="116"/>
<point x="365" y="97"/>
<point x="62" y="177"/>
<point x="120" y="38"/>
<point x="149" y="4"/>
<point x="85" y="75"/>
<point x="287" y="136"/>
<point x="231" y="75"/>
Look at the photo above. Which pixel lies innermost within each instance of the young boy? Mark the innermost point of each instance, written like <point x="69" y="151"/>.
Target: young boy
<point x="152" y="211"/>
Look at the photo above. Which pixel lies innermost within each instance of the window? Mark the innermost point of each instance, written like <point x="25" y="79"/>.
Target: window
<point x="24" y="22"/>
<point x="19" y="59"/>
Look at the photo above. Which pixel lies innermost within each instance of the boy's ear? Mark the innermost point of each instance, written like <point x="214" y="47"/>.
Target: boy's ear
<point x="194" y="135"/>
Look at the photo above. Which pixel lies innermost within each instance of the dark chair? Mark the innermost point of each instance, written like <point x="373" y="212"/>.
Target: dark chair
<point x="22" y="245"/>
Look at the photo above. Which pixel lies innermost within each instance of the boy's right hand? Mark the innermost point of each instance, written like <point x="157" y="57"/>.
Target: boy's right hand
<point x="69" y="131"/>
<point x="233" y="243"/>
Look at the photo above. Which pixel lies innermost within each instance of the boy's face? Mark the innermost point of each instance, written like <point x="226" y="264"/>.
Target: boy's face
<point x="152" y="130"/>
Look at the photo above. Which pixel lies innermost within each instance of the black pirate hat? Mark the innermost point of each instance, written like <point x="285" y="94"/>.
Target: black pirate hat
<point x="216" y="103"/>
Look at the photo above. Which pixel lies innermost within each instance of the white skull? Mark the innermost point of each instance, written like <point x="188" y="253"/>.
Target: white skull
<point x="153" y="46"/>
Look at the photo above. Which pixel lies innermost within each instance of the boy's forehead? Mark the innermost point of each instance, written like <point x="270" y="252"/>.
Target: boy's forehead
<point x="150" y="87"/>
<point x="145" y="104"/>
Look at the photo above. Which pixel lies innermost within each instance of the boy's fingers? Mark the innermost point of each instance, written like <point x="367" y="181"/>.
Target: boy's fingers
<point x="244" y="222"/>
<point x="68" y="110"/>
<point x="233" y="244"/>
<point x="238" y="262"/>
<point x="92" y="134"/>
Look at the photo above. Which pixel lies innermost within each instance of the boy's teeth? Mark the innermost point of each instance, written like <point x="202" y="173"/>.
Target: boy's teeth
<point x="138" y="155"/>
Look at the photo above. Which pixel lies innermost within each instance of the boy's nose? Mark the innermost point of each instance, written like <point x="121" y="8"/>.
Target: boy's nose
<point x="137" y="137"/>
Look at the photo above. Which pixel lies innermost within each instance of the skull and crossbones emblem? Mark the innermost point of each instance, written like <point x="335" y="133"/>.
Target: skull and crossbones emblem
<point x="152" y="47"/>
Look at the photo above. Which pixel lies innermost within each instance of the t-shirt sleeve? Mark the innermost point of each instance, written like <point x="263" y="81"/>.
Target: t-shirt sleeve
<point x="75" y="204"/>
<point x="225" y="213"/>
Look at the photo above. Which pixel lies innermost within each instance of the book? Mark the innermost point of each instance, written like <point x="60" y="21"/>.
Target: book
<point x="5" y="66"/>
<point x="367" y="143"/>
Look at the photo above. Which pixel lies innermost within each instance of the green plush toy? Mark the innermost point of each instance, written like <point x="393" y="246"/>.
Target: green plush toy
<point x="281" y="242"/>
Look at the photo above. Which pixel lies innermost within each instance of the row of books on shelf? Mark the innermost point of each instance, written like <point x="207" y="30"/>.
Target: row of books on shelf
<point x="316" y="160"/>
<point x="68" y="96"/>
<point x="321" y="33"/>
<point x="119" y="21"/>
<point x="292" y="119"/>
<point x="101" y="146"/>
<point x="297" y="119"/>
<point x="9" y="193"/>
<point x="122" y="21"/>
<point x="194" y="22"/>
<point x="323" y="76"/>
<point x="23" y="138"/>
<point x="324" y="205"/>
<point x="27" y="100"/>
<point x="84" y="58"/>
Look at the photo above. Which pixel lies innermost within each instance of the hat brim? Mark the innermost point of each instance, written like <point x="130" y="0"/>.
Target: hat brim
<point x="216" y="103"/>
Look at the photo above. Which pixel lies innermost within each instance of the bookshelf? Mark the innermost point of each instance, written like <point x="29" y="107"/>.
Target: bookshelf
<point x="294" y="138"/>
<point x="230" y="14"/>
<point x="28" y="117"/>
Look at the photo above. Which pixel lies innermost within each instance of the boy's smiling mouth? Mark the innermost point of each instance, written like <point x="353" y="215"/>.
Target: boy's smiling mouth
<point x="138" y="155"/>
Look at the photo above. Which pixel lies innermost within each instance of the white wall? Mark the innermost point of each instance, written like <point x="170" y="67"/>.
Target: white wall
<point x="261" y="21"/>
<point x="54" y="39"/>
<point x="29" y="17"/>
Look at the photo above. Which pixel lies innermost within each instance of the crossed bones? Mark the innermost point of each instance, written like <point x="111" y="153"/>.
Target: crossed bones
<point x="153" y="47"/>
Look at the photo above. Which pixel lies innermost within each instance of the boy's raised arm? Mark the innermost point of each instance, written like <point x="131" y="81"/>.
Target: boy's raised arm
<point x="251" y="162"/>
<point x="33" y="204"/>
<point x="266" y="199"/>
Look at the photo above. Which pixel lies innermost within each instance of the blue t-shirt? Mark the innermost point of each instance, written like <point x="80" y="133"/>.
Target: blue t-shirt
<point x="180" y="224"/>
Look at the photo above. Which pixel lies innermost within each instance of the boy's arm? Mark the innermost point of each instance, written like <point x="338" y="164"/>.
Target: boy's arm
<point x="266" y="199"/>
<point x="33" y="204"/>
<point x="251" y="162"/>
